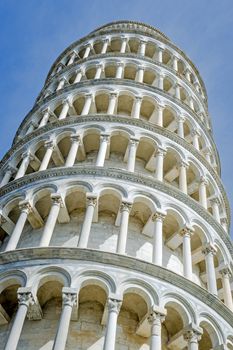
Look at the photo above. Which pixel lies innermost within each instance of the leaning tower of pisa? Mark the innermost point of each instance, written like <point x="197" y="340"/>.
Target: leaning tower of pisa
<point x="114" y="220"/>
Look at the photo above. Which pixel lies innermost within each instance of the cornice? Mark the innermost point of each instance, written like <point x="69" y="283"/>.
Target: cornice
<point x="60" y="255"/>
<point x="124" y="176"/>
<point x="120" y="31"/>
<point x="73" y="121"/>
<point x="121" y="56"/>
<point x="119" y="82"/>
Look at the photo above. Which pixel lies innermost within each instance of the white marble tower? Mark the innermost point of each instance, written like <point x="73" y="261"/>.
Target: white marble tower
<point x="114" y="220"/>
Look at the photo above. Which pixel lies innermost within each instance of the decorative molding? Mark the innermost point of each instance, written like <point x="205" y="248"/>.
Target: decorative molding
<point x="56" y="255"/>
<point x="73" y="121"/>
<point x="124" y="176"/>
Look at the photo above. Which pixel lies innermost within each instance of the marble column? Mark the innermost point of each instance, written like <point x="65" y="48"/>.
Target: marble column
<point x="25" y="208"/>
<point x="112" y="103"/>
<point x="99" y="70"/>
<point x="75" y="143"/>
<point x="66" y="104"/>
<point x="79" y="74"/>
<point x="137" y="107"/>
<point x="87" y="104"/>
<point x="87" y="50"/>
<point x="202" y="192"/>
<point x="209" y="253"/>
<point x="186" y="233"/>
<point x="215" y="203"/>
<point x="72" y="58"/>
<point x="49" y="146"/>
<point x="188" y="74"/>
<point x="104" y="140"/>
<point x="195" y="134"/>
<point x="160" y="54"/>
<point x="113" y="312"/>
<point x="46" y="114"/>
<point x="192" y="336"/>
<point x="133" y="143"/>
<point x="180" y="126"/>
<point x="177" y="90"/>
<point x="140" y="74"/>
<point x="142" y="48"/>
<point x="156" y="319"/>
<point x="159" y="120"/>
<point x="159" y="163"/>
<point x="69" y="300"/>
<point x="86" y="227"/>
<point x="175" y="63"/>
<point x="157" y="255"/>
<point x="51" y="220"/>
<point x="61" y="83"/>
<point x="10" y="170"/>
<point x="183" y="176"/>
<point x="160" y="81"/>
<point x="226" y="285"/>
<point x="25" y="301"/>
<point x="120" y="69"/>
<point x="105" y="46"/>
<point x="122" y="237"/>
<point x="27" y="157"/>
<point x="191" y="103"/>
<point x="32" y="127"/>
<point x="123" y="45"/>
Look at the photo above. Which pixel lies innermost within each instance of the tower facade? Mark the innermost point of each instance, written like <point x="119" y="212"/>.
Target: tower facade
<point x="114" y="220"/>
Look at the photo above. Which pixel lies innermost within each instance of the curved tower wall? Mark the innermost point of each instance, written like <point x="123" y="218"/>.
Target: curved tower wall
<point x="114" y="220"/>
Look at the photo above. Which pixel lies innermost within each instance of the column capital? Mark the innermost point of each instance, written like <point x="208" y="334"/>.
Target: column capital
<point x="75" y="138"/>
<point x="49" y="144"/>
<point x="192" y="333"/>
<point x="88" y="95"/>
<point x="126" y="206"/>
<point x="160" y="151"/>
<point x="91" y="199"/>
<point x="187" y="230"/>
<point x="105" y="40"/>
<point x="141" y="68"/>
<point x="181" y="119"/>
<point x="157" y="315"/>
<point x="124" y="38"/>
<point x="56" y="199"/>
<point x="27" y="154"/>
<point x="203" y="180"/>
<point x="46" y="110"/>
<point x="25" y="206"/>
<point x="25" y="297"/>
<point x="214" y="200"/>
<point x="225" y="272"/>
<point x="224" y="221"/>
<point x="195" y="132"/>
<point x="114" y="305"/>
<point x="104" y="137"/>
<point x="88" y="45"/>
<point x="133" y="142"/>
<point x="160" y="106"/>
<point x="120" y="64"/>
<point x="183" y="163"/>
<point x="11" y="169"/>
<point x="138" y="98"/>
<point x="160" y="48"/>
<point x="69" y="297"/>
<point x="113" y="94"/>
<point x="159" y="215"/>
<point x="68" y="101"/>
<point x="3" y="220"/>
<point x="209" y="249"/>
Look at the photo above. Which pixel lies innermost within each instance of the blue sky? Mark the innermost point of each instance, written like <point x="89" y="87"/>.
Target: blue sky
<point x="33" y="33"/>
